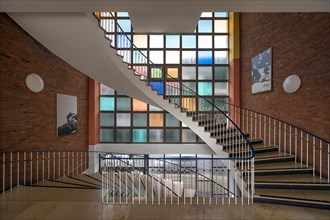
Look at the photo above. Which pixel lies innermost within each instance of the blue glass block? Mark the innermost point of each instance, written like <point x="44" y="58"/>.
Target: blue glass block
<point x="139" y="135"/>
<point x="205" y="57"/>
<point x="125" y="25"/>
<point x="140" y="56"/>
<point x="159" y="86"/>
<point x="172" y="135"/>
<point x="107" y="104"/>
<point x="122" y="14"/>
<point x="220" y="14"/>
<point x="205" y="26"/>
<point x="139" y="119"/>
<point x="123" y="135"/>
<point x="123" y="104"/>
<point x="172" y="41"/>
<point x="106" y="135"/>
<point x="106" y="119"/>
<point x="156" y="135"/>
<point x="205" y="88"/>
<point x="123" y="41"/>
<point x="172" y="121"/>
<point x="188" y="136"/>
<point x="188" y="41"/>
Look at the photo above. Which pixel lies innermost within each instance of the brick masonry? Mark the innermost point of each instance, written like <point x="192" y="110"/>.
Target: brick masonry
<point x="301" y="45"/>
<point x="27" y="119"/>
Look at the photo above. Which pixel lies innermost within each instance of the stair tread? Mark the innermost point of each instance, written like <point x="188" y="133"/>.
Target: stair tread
<point x="318" y="195"/>
<point x="280" y="165"/>
<point x="294" y="178"/>
<point x="59" y="183"/>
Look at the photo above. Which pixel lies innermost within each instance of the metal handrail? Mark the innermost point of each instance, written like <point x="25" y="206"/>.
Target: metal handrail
<point x="175" y="80"/>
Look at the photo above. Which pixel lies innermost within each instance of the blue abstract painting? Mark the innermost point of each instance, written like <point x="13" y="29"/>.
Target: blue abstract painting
<point x="262" y="72"/>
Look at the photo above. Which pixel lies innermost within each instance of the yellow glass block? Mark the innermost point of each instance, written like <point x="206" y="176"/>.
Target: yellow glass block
<point x="140" y="41"/>
<point x="173" y="72"/>
<point x="221" y="26"/>
<point x="139" y="106"/>
<point x="189" y="104"/>
<point x="156" y="120"/>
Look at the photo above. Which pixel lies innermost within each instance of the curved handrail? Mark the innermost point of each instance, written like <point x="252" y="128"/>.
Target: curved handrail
<point x="133" y="47"/>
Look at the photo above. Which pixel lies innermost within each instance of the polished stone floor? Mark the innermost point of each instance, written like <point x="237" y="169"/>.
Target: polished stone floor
<point x="75" y="203"/>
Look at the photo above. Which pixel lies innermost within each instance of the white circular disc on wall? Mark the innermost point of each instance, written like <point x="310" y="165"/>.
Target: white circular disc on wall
<point x="34" y="82"/>
<point x="291" y="84"/>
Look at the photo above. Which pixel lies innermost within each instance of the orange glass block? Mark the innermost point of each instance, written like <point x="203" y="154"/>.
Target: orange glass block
<point x="189" y="104"/>
<point x="221" y="26"/>
<point x="156" y="120"/>
<point x="139" y="105"/>
<point x="173" y="72"/>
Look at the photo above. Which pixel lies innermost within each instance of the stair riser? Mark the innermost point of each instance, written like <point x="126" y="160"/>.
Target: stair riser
<point x="221" y="132"/>
<point x="240" y="144"/>
<point x="292" y="203"/>
<point x="281" y="172"/>
<point x="274" y="160"/>
<point x="294" y="187"/>
<point x="231" y="137"/>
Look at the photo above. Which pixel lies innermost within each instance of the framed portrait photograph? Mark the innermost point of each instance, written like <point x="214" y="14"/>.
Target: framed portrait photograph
<point x="67" y="118"/>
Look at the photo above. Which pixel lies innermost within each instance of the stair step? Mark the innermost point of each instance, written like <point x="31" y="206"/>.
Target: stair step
<point x="292" y="178"/>
<point x="273" y="159"/>
<point x="218" y="132"/>
<point x="290" y="201"/>
<point x="273" y="172"/>
<point x="240" y="143"/>
<point x="256" y="150"/>
<point x="294" y="186"/>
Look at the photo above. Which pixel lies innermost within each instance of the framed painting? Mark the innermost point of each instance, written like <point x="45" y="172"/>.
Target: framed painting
<point x="67" y="118"/>
<point x="262" y="72"/>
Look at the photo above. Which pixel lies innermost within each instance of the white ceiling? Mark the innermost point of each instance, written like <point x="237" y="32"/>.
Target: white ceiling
<point x="165" y="15"/>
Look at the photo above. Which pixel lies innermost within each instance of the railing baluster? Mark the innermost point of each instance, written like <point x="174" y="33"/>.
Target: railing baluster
<point x="11" y="170"/>
<point x="3" y="172"/>
<point x="18" y="176"/>
<point x="320" y="159"/>
<point x="313" y="156"/>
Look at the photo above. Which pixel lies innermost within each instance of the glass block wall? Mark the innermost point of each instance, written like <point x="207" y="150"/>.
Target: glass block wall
<point x="198" y="60"/>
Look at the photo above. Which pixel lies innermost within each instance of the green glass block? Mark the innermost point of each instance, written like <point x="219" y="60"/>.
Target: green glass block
<point x="172" y="121"/>
<point x="125" y="25"/>
<point x="221" y="14"/>
<point x="190" y="85"/>
<point x="205" y="104"/>
<point x="188" y="41"/>
<point x="221" y="103"/>
<point x="156" y="73"/>
<point x="188" y="136"/>
<point x="188" y="72"/>
<point x="139" y="135"/>
<point x="123" y="135"/>
<point x="205" y="73"/>
<point x="172" y="41"/>
<point x="106" y="135"/>
<point x="205" y="88"/>
<point x="221" y="73"/>
<point x="140" y="119"/>
<point x="107" y="119"/>
<point x="188" y="57"/>
<point x="172" y="135"/>
<point x="205" y="26"/>
<point x="124" y="104"/>
<point x="221" y="88"/>
<point x="221" y="57"/>
<point x="123" y="119"/>
<point x="107" y="104"/>
<point x="156" y="135"/>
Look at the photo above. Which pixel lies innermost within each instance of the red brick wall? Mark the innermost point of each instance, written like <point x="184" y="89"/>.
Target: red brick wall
<point x="301" y="45"/>
<point x="27" y="119"/>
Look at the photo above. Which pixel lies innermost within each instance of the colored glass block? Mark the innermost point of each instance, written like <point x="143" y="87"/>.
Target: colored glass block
<point x="205" y="72"/>
<point x="221" y="14"/>
<point x="188" y="72"/>
<point x="205" y="26"/>
<point x="205" y="57"/>
<point x="172" y="135"/>
<point x="171" y="121"/>
<point x="123" y="41"/>
<point x="124" y="25"/>
<point x="154" y="108"/>
<point x="106" y="135"/>
<point x="139" y="105"/>
<point x="190" y="85"/>
<point x="122" y="14"/>
<point x="188" y="57"/>
<point x="221" y="26"/>
<point x="205" y="88"/>
<point x="124" y="104"/>
<point x="123" y="119"/>
<point x="221" y="73"/>
<point x="172" y="41"/>
<point x="156" y="135"/>
<point x="173" y="88"/>
<point x="140" y="57"/>
<point x="172" y="57"/>
<point x="106" y="119"/>
<point x="141" y="70"/>
<point x="205" y="41"/>
<point x="107" y="104"/>
<point x="139" y="119"/>
<point x="221" y="88"/>
<point x="221" y="41"/>
<point x="156" y="120"/>
<point x="156" y="41"/>
<point x="204" y="104"/>
<point x="188" y="41"/>
<point x="221" y="103"/>
<point x="139" y="135"/>
<point x="156" y="57"/>
<point x="105" y="90"/>
<point x="156" y="73"/>
<point x="157" y="86"/>
<point x="140" y="41"/>
<point x="189" y="104"/>
<point x="172" y="73"/>
<point x="188" y="136"/>
<point x="221" y="57"/>
<point x="123" y="135"/>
